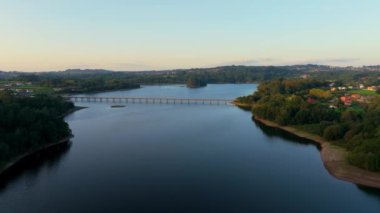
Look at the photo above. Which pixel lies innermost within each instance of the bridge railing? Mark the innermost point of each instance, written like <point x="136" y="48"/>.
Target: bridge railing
<point x="150" y="100"/>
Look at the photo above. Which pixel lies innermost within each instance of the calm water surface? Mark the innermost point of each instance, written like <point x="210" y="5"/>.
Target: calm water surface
<point x="178" y="158"/>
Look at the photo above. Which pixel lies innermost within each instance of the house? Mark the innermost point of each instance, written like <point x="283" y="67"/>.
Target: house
<point x="311" y="100"/>
<point x="347" y="100"/>
<point x="355" y="96"/>
<point x="372" y="88"/>
<point x="342" y="88"/>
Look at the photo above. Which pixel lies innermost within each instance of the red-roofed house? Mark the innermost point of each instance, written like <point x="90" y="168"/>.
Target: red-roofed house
<point x="311" y="100"/>
<point x="347" y="100"/>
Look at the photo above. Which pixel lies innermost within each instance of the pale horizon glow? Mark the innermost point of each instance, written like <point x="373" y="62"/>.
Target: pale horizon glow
<point x="128" y="35"/>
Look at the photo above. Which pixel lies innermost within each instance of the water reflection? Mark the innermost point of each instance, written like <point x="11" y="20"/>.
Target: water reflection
<point x="370" y="191"/>
<point x="31" y="166"/>
<point x="288" y="137"/>
<point x="169" y="158"/>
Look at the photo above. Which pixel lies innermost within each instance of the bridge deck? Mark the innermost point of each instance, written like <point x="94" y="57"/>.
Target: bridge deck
<point x="149" y="100"/>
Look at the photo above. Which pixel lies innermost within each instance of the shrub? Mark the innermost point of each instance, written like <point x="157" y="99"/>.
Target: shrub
<point x="333" y="132"/>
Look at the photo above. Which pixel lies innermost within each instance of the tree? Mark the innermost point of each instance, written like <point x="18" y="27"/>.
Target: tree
<point x="333" y="132"/>
<point x="27" y="123"/>
<point x="319" y="93"/>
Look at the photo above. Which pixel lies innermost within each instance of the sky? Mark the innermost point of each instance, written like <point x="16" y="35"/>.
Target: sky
<point x="45" y="35"/>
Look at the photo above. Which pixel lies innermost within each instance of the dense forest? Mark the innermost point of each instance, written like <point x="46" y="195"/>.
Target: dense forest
<point x="309" y="105"/>
<point x="28" y="123"/>
<point x="88" y="84"/>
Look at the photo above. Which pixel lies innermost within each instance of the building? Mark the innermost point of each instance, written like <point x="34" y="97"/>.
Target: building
<point x="311" y="100"/>
<point x="372" y="88"/>
<point x="342" y="88"/>
<point x="347" y="100"/>
<point x="356" y="96"/>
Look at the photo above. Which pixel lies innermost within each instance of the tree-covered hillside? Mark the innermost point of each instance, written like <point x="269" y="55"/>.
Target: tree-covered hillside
<point x="28" y="123"/>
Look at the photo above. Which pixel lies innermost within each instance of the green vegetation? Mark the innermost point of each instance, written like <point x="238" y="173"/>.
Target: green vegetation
<point x="312" y="128"/>
<point x="344" y="76"/>
<point x="306" y="105"/>
<point x="365" y="92"/>
<point x="37" y="89"/>
<point x="195" y="83"/>
<point x="87" y="84"/>
<point x="319" y="93"/>
<point x="29" y="123"/>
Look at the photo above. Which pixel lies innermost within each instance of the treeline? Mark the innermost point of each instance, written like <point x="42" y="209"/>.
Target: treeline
<point x="224" y="74"/>
<point x="195" y="83"/>
<point x="85" y="81"/>
<point x="348" y="77"/>
<point x="28" y="123"/>
<point x="228" y="74"/>
<point x="88" y="84"/>
<point x="307" y="105"/>
<point x="99" y="80"/>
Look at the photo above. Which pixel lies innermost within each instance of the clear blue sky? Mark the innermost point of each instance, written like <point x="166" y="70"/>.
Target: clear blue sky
<point x="165" y="34"/>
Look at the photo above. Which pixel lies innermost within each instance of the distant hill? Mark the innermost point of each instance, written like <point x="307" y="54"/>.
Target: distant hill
<point x="301" y="67"/>
<point x="86" y="71"/>
<point x="223" y="74"/>
<point x="6" y="75"/>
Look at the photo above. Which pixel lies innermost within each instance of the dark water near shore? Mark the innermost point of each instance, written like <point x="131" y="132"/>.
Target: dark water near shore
<point x="179" y="158"/>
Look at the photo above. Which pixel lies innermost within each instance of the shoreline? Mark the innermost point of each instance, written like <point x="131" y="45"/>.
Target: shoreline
<point x="242" y="105"/>
<point x="333" y="158"/>
<point x="18" y="159"/>
<point x="99" y="91"/>
<point x="76" y="108"/>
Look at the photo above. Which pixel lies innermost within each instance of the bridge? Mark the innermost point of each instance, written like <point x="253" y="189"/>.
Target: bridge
<point x="150" y="100"/>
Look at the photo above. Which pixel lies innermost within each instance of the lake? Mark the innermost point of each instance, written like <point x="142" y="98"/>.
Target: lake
<point x="178" y="158"/>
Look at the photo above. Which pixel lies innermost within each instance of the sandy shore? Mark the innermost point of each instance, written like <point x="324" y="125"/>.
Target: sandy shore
<point x="334" y="158"/>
